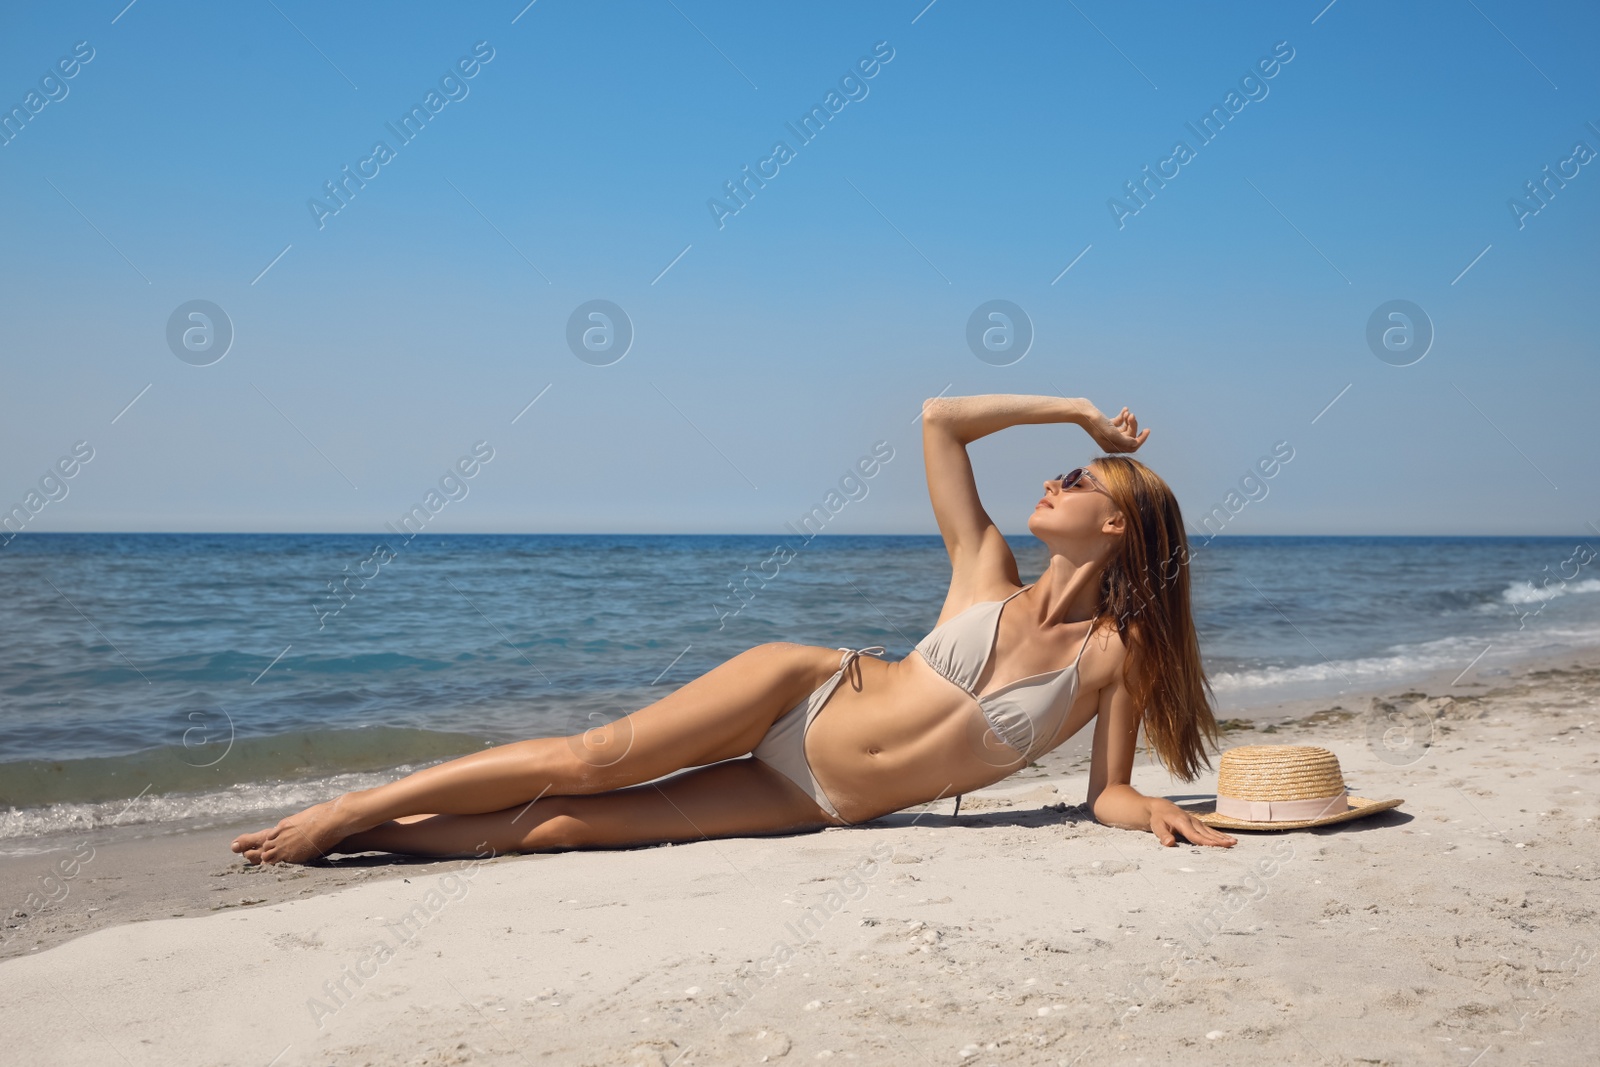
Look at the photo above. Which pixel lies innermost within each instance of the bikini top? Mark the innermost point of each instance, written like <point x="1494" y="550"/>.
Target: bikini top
<point x="1026" y="713"/>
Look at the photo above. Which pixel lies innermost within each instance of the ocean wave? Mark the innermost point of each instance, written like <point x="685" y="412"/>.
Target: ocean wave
<point x="1405" y="662"/>
<point x="225" y="805"/>
<point x="1528" y="593"/>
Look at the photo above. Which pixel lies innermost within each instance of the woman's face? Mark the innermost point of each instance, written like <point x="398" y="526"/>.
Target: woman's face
<point x="1076" y="514"/>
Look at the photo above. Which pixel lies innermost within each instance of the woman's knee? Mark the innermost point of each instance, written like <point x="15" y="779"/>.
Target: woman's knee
<point x="552" y="824"/>
<point x="578" y="822"/>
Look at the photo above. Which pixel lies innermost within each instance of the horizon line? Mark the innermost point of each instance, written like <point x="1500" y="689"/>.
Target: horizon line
<point x="633" y="533"/>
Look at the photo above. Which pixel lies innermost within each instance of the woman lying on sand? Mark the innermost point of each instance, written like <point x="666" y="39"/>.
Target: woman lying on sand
<point x="1009" y="673"/>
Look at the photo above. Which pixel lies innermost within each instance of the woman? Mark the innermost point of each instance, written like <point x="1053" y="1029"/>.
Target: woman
<point x="982" y="695"/>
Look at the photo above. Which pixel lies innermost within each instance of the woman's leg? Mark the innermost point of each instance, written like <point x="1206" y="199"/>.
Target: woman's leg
<point x="735" y="798"/>
<point x="722" y="714"/>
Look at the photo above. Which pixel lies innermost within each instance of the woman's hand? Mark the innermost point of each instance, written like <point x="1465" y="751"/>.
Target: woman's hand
<point x="1167" y="820"/>
<point x="1119" y="434"/>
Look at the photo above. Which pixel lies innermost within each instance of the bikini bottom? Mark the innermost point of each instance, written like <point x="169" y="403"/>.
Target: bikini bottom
<point x="783" y="748"/>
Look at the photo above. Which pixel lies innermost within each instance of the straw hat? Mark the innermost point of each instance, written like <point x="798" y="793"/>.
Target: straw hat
<point x="1284" y="787"/>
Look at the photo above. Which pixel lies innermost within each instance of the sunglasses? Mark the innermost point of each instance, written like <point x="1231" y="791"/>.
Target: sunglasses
<point x="1074" y="477"/>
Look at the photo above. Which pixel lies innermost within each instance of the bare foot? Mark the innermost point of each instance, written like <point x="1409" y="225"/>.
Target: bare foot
<point x="300" y="838"/>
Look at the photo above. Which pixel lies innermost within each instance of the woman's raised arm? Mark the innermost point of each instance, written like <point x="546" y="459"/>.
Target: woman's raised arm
<point x="949" y="424"/>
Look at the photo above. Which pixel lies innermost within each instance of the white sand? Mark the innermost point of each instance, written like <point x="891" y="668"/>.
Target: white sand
<point x="1458" y="929"/>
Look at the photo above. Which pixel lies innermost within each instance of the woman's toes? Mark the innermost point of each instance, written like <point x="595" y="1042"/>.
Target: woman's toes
<point x="244" y="842"/>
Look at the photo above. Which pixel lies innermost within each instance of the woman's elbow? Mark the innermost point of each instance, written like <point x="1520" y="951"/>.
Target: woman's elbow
<point x="1117" y="805"/>
<point x="934" y="408"/>
<point x="1098" y="793"/>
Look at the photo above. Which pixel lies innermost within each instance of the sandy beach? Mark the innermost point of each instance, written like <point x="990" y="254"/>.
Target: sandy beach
<point x="386" y="385"/>
<point x="1457" y="929"/>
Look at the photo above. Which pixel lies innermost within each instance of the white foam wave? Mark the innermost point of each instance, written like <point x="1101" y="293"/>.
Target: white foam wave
<point x="1403" y="662"/>
<point x="1528" y="593"/>
<point x="235" y="802"/>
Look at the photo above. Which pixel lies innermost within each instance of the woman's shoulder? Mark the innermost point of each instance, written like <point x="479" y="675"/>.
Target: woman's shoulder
<point x="1111" y="645"/>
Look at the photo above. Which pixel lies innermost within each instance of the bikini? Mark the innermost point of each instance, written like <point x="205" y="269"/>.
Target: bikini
<point x="958" y="650"/>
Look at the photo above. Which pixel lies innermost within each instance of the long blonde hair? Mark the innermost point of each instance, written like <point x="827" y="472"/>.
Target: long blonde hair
<point x="1145" y="586"/>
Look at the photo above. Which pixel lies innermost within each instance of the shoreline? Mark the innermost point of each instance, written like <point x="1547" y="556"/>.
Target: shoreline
<point x="164" y="870"/>
<point x="353" y="759"/>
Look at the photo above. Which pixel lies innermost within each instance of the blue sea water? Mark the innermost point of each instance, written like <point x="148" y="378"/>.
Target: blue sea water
<point x="151" y="677"/>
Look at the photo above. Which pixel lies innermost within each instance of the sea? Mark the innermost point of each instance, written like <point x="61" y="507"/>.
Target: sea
<point x="184" y="680"/>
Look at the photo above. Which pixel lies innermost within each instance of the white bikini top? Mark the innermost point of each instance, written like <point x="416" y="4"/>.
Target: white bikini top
<point x="1026" y="713"/>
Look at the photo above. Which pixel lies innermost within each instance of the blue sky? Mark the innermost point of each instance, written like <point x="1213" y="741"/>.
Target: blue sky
<point x="769" y="354"/>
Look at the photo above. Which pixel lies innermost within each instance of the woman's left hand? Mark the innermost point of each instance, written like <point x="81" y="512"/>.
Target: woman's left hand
<point x="1168" y="820"/>
<point x="1120" y="433"/>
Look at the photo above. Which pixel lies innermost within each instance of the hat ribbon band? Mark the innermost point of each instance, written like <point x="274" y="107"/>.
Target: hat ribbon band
<point x="1282" y="810"/>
